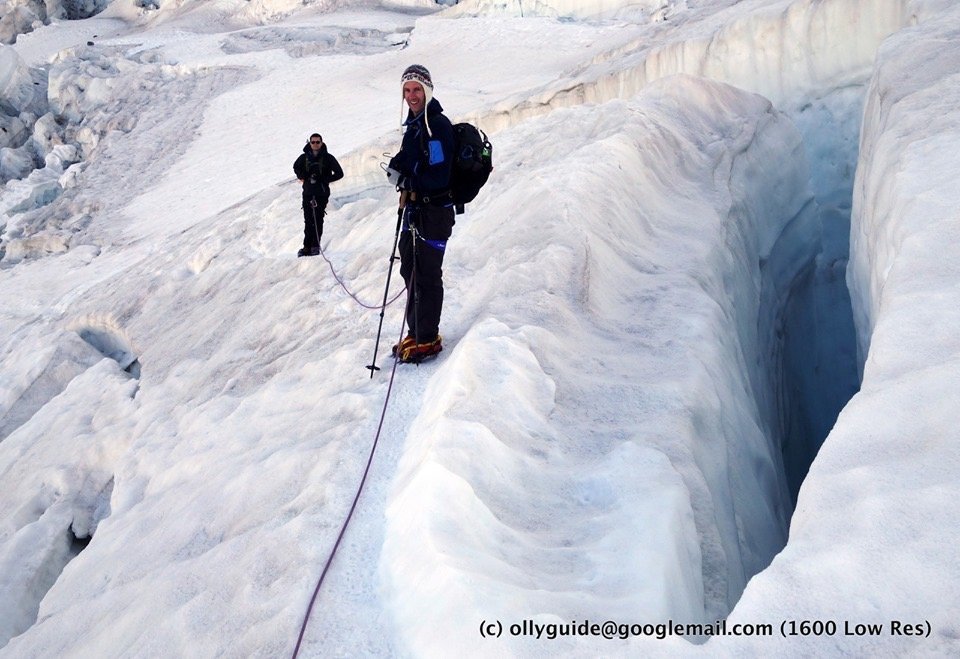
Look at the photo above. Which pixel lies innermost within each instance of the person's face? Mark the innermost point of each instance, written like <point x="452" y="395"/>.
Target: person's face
<point x="414" y="96"/>
<point x="316" y="143"/>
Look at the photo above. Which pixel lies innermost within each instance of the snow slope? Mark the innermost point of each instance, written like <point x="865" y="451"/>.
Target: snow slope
<point x="640" y="303"/>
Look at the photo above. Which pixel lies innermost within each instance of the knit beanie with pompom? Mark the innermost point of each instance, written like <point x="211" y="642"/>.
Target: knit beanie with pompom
<point x="419" y="74"/>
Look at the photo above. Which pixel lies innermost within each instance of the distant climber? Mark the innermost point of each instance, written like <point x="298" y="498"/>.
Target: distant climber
<point x="316" y="169"/>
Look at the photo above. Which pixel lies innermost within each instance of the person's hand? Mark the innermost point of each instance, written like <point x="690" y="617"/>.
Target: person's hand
<point x="394" y="177"/>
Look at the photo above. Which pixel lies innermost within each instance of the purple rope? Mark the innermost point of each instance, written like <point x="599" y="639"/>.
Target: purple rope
<point x="347" y="290"/>
<point x="373" y="448"/>
<point x="316" y="232"/>
<point x="353" y="506"/>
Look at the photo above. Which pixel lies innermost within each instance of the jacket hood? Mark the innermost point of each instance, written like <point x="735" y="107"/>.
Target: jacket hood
<point x="307" y="150"/>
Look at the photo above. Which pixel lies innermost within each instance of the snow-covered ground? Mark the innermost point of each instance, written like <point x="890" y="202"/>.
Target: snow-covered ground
<point x="647" y="331"/>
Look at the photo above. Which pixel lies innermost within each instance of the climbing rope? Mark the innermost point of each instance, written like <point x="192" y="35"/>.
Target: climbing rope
<point x="373" y="449"/>
<point x="353" y="506"/>
<point x="333" y="270"/>
<point x="348" y="292"/>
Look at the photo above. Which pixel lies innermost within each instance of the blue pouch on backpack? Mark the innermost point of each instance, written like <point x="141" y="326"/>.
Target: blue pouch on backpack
<point x="435" y="149"/>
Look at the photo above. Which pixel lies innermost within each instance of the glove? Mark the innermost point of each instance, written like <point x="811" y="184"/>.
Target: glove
<point x="394" y="177"/>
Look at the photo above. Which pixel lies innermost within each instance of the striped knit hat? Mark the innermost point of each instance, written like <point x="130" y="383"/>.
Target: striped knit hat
<point x="419" y="74"/>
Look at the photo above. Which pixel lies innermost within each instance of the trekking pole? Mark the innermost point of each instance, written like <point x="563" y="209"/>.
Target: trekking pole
<point x="386" y="291"/>
<point x="414" y="283"/>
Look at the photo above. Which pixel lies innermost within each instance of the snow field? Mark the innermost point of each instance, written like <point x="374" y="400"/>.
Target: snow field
<point x="599" y="438"/>
<point x="190" y="367"/>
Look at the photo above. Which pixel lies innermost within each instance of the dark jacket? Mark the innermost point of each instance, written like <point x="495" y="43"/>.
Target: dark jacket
<point x="317" y="171"/>
<point x="425" y="161"/>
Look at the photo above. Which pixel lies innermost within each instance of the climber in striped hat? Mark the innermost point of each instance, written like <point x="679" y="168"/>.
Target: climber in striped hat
<point x="421" y="171"/>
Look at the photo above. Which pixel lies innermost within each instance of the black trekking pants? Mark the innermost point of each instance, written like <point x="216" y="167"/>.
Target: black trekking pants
<point x="421" y="267"/>
<point x="313" y="232"/>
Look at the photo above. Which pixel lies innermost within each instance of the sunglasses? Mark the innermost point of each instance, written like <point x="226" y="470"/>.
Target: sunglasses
<point x="314" y="141"/>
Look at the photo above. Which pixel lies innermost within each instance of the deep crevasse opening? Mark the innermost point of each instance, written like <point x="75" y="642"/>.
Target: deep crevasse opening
<point x="816" y="369"/>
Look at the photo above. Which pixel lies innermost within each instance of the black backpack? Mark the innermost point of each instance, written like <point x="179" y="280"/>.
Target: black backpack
<point x="472" y="164"/>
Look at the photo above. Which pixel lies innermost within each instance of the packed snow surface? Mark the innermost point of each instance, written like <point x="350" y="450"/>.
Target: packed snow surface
<point x="646" y="332"/>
